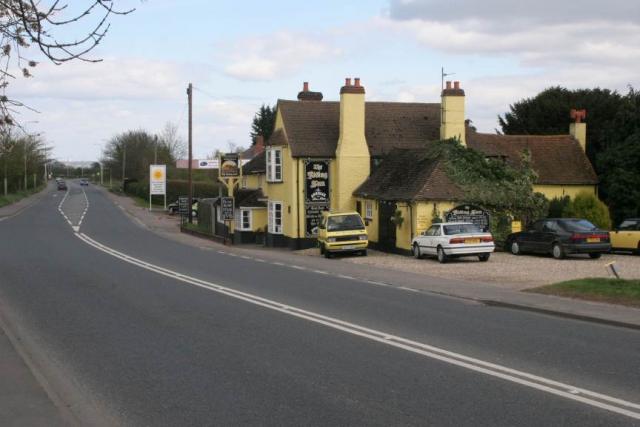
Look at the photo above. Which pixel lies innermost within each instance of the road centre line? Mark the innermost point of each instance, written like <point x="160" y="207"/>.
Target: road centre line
<point x="588" y="397"/>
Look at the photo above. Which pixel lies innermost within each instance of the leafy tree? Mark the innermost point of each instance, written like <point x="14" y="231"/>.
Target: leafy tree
<point x="263" y="122"/>
<point x="19" y="158"/>
<point x="557" y="206"/>
<point x="621" y="182"/>
<point x="588" y="206"/>
<point x="26" y="23"/>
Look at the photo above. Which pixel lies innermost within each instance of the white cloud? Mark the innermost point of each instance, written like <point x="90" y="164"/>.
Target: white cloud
<point x="278" y="55"/>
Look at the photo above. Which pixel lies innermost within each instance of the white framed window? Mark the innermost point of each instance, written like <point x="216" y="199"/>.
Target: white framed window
<point x="275" y="217"/>
<point x="368" y="210"/>
<point x="243" y="219"/>
<point x="274" y="164"/>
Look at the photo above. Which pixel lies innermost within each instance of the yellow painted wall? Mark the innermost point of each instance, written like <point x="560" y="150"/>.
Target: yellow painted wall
<point x="370" y="224"/>
<point x="579" y="132"/>
<point x="452" y="125"/>
<point x="253" y="181"/>
<point x="403" y="232"/>
<point x="553" y="191"/>
<point x="352" y="165"/>
<point x="259" y="219"/>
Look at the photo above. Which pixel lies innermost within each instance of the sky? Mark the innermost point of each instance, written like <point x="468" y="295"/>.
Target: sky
<point x="242" y="54"/>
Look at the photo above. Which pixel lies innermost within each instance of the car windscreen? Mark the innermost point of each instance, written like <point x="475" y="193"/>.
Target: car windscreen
<point x="345" y="223"/>
<point x="461" y="229"/>
<point x="578" y="225"/>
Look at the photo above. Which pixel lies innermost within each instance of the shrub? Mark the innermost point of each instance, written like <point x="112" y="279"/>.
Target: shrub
<point x="588" y="206"/>
<point x="175" y="188"/>
<point x="557" y="206"/>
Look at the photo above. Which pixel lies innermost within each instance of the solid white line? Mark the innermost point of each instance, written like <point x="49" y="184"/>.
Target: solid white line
<point x="519" y="377"/>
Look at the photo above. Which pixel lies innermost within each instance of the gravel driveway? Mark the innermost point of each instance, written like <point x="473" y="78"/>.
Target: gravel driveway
<point x="503" y="269"/>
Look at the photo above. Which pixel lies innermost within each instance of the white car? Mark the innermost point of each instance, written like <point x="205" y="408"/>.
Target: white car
<point x="453" y="239"/>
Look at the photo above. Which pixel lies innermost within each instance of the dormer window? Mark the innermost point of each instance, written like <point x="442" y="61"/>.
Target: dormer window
<point x="274" y="164"/>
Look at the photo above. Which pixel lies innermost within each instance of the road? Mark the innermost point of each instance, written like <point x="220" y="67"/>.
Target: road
<point x="130" y="328"/>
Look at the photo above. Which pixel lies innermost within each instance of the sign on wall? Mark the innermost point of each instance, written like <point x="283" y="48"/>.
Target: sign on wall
<point x="316" y="193"/>
<point x="226" y="206"/>
<point x="316" y="181"/>
<point x="229" y="165"/>
<point x="157" y="180"/>
<point x="470" y="213"/>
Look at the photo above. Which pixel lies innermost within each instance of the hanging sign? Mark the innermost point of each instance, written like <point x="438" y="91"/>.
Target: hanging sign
<point x="229" y="165"/>
<point x="157" y="180"/>
<point x="470" y="213"/>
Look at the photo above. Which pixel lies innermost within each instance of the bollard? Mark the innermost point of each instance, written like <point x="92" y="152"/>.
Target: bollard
<point x="611" y="267"/>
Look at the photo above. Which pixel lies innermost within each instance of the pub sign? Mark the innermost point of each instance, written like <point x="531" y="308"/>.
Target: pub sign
<point x="470" y="213"/>
<point x="316" y="193"/>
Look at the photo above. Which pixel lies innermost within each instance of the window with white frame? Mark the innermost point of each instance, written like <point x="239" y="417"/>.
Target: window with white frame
<point x="274" y="164"/>
<point x="275" y="217"/>
<point x="243" y="219"/>
<point x="368" y="210"/>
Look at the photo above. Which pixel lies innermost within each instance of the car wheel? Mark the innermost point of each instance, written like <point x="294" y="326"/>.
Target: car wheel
<point x="558" y="251"/>
<point x="595" y="255"/>
<point x="364" y="252"/>
<point x="637" y="252"/>
<point x="484" y="257"/>
<point x="442" y="257"/>
<point x="321" y="246"/>
<point x="327" y="254"/>
<point x="515" y="248"/>
<point x="416" y="251"/>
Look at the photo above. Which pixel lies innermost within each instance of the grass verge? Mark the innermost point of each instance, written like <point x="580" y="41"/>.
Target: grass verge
<point x="16" y="197"/>
<point x="613" y="291"/>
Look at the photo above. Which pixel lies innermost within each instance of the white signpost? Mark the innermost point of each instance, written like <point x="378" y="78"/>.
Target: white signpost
<point x="158" y="183"/>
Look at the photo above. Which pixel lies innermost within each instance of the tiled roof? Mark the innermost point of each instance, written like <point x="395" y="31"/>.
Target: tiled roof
<point x="409" y="174"/>
<point x="312" y="128"/>
<point x="249" y="198"/>
<point x="557" y="159"/>
<point x="257" y="165"/>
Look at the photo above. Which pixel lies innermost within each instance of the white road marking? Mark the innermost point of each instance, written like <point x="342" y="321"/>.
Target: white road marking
<point x="588" y="397"/>
<point x="298" y="267"/>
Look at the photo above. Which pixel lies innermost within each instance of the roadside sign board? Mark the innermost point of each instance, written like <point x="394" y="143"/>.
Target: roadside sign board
<point x="470" y="213"/>
<point x="226" y="205"/>
<point x="157" y="180"/>
<point x="183" y="205"/>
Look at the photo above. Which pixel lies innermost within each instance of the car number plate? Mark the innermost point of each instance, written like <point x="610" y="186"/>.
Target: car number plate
<point x="593" y="240"/>
<point x="472" y="241"/>
<point x="349" y="247"/>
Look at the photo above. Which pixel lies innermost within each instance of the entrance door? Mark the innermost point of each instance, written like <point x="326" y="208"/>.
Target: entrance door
<point x="386" y="228"/>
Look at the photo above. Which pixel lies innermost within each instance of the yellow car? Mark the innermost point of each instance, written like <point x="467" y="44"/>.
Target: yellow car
<point x="342" y="232"/>
<point x="627" y="236"/>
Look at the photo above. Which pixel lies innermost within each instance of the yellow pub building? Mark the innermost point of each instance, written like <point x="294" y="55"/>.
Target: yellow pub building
<point x="355" y="155"/>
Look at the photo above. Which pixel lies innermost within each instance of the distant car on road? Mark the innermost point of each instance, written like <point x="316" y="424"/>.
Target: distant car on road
<point x="626" y="237"/>
<point x="451" y="240"/>
<point x="62" y="185"/>
<point x="84" y="181"/>
<point x="560" y="237"/>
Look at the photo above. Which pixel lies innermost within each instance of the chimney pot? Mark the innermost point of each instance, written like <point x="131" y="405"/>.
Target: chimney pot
<point x="347" y="81"/>
<point x="448" y="84"/>
<point x="357" y="81"/>
<point x="305" y="86"/>
<point x="456" y="85"/>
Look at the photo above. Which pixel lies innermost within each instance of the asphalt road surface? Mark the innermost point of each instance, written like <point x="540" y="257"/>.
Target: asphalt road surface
<point x="130" y="328"/>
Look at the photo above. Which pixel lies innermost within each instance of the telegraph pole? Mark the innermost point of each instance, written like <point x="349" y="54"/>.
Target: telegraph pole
<point x="190" y="199"/>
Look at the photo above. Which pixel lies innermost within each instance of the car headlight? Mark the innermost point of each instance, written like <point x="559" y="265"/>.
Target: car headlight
<point x="331" y="239"/>
<point x="362" y="237"/>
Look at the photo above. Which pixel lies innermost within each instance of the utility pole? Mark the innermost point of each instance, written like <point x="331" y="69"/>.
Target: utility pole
<point x="190" y="198"/>
<point x="155" y="149"/>
<point x="124" y="161"/>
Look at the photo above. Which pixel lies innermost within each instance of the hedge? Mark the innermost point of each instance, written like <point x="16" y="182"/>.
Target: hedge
<point x="175" y="188"/>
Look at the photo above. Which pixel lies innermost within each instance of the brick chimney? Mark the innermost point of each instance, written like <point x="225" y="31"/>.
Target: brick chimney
<point x="352" y="152"/>
<point x="307" y="95"/>
<point x="452" y="122"/>
<point x="258" y="148"/>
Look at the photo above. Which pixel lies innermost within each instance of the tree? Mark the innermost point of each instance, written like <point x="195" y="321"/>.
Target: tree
<point x="26" y="23"/>
<point x="263" y="123"/>
<point x="173" y="142"/>
<point x="589" y="207"/>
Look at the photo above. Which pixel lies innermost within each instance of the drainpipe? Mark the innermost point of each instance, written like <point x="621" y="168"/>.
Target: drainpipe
<point x="298" y="199"/>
